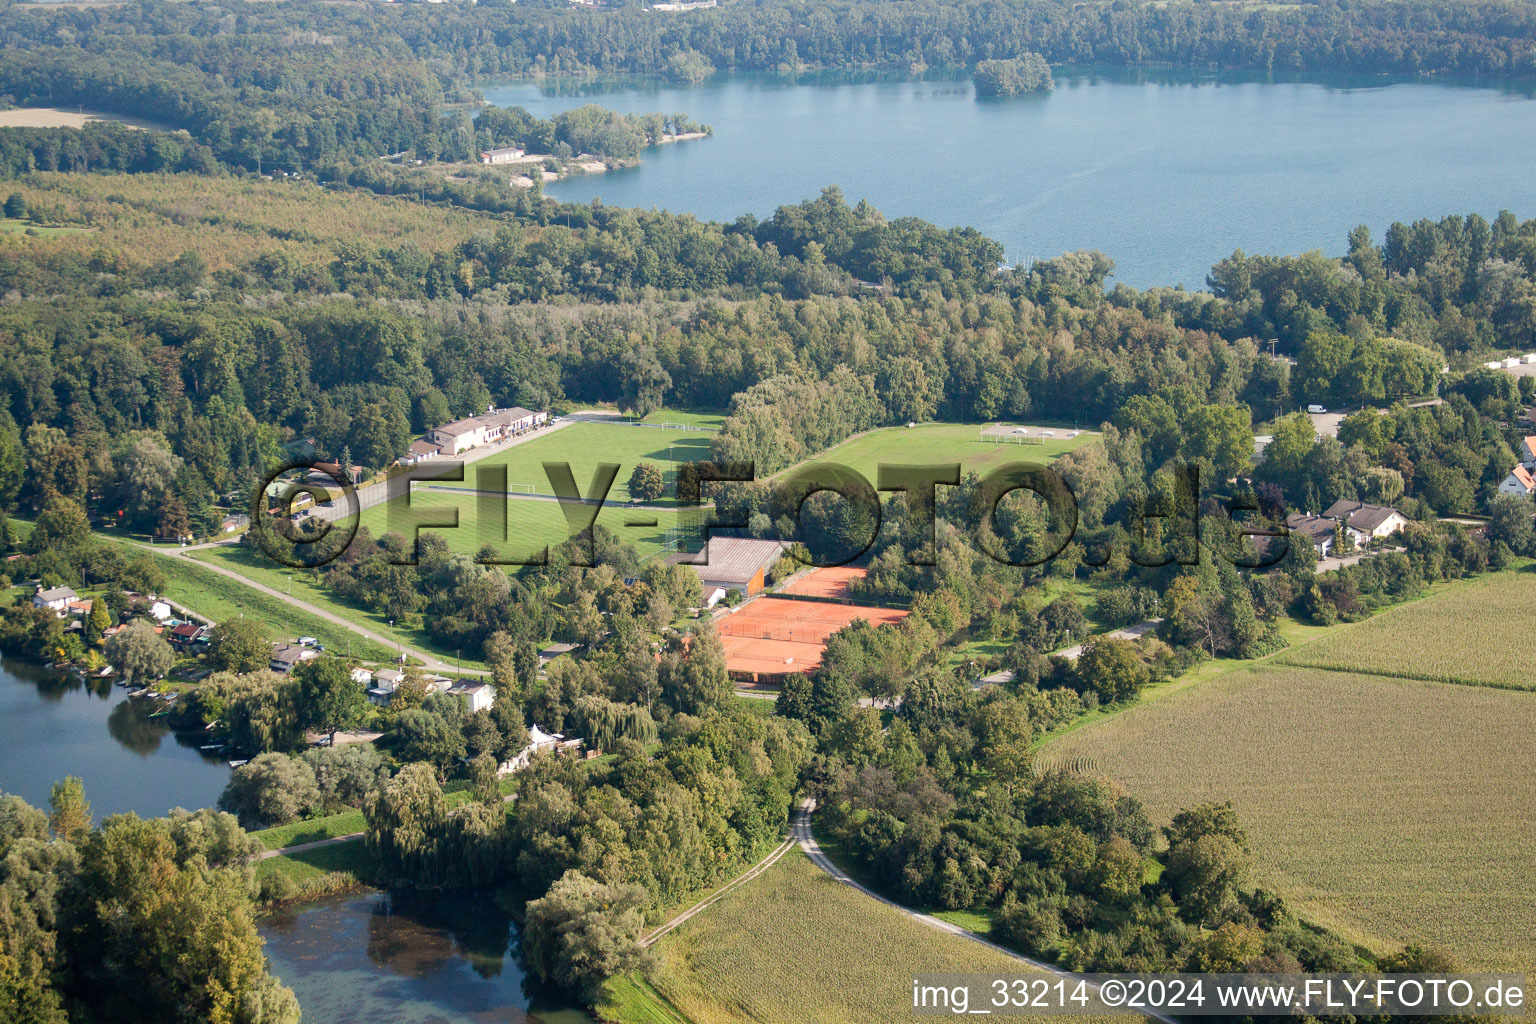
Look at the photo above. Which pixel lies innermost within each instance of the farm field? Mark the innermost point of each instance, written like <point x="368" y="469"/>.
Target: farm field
<point x="793" y="945"/>
<point x="54" y="117"/>
<point x="936" y="443"/>
<point x="1390" y="811"/>
<point x="1469" y="635"/>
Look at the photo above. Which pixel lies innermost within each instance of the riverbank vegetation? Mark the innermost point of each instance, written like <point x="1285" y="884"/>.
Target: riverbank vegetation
<point x="92" y="913"/>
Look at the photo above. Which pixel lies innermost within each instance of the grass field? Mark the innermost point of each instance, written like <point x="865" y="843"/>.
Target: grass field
<point x="220" y="598"/>
<point x="530" y="524"/>
<point x="1472" y="635"/>
<point x="258" y="567"/>
<point x="11" y="226"/>
<point x="938" y="443"/>
<point x="793" y="946"/>
<point x="584" y="445"/>
<point x="1388" y="810"/>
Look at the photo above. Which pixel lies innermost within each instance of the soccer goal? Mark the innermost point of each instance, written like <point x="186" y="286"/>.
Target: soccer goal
<point x="520" y="488"/>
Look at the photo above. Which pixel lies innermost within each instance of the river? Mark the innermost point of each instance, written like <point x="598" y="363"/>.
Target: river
<point x="52" y="726"/>
<point x="406" y="958"/>
<point x="1167" y="172"/>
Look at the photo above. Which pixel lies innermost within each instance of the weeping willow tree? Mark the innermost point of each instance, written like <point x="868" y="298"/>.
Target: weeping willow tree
<point x="257" y="712"/>
<point x="416" y="840"/>
<point x="604" y="722"/>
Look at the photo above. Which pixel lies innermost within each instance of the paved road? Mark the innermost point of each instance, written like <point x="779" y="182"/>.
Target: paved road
<point x="1135" y="632"/>
<point x="801" y="830"/>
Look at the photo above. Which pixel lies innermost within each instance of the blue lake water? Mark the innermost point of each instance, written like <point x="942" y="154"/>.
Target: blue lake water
<point x="51" y="726"/>
<point x="407" y="958"/>
<point x="1166" y="172"/>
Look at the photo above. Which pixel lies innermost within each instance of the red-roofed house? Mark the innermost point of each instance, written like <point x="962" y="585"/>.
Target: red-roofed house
<point x="1528" y="453"/>
<point x="1519" y="482"/>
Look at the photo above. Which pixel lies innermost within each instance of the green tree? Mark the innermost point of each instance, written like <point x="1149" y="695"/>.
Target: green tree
<point x="583" y="932"/>
<point x="646" y="482"/>
<point x="71" y="817"/>
<point x="16" y="206"/>
<point x="239" y="645"/>
<point x="98" y="621"/>
<point x="420" y="735"/>
<point x="644" y="382"/>
<point x="139" y="653"/>
<point x="61" y="526"/>
<point x="331" y="700"/>
<point x="271" y="789"/>
<point x="1111" y="668"/>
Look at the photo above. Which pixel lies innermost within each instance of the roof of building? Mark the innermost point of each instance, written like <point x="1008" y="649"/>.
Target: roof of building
<point x="58" y="594"/>
<point x="425" y="447"/>
<point x="290" y="653"/>
<point x="468" y="686"/>
<point x="732" y="559"/>
<point x="517" y="412"/>
<point x="1316" y="527"/>
<point x="1523" y="475"/>
<point x="1530" y="443"/>
<point x="389" y="675"/>
<point x="187" y="629"/>
<point x="495" y="417"/>
<point x="1361" y="515"/>
<point x="504" y="149"/>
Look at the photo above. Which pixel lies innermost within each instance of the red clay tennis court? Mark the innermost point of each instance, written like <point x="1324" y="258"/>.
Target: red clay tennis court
<point x="774" y="636"/>
<point x="831" y="582"/>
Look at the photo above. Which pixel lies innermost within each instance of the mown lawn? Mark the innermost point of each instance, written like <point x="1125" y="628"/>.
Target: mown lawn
<point x="302" y="586"/>
<point x="531" y="525"/>
<point x="942" y="443"/>
<point x="220" y="598"/>
<point x="793" y="946"/>
<point x="585" y="445"/>
<point x="1474" y="634"/>
<point x="1389" y="810"/>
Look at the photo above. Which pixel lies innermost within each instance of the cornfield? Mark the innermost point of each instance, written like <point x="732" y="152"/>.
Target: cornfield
<point x="1390" y="811"/>
<point x="1476" y="634"/>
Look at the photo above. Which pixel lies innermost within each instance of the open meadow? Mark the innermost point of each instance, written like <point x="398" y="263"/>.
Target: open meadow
<point x="1390" y="811"/>
<point x="1473" y="635"/>
<point x="793" y="946"/>
<point x="938" y="443"/>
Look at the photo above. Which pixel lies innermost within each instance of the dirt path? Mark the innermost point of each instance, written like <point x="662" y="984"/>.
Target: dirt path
<point x="725" y="890"/>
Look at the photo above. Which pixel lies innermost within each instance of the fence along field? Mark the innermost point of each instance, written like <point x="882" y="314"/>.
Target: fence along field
<point x="1389" y="810"/>
<point x="1476" y="635"/>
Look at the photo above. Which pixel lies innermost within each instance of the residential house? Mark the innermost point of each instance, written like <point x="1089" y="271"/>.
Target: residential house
<point x="387" y="681"/>
<point x="1527" y="452"/>
<point x="477" y="694"/>
<point x="421" y="451"/>
<point x="1519" y="482"/>
<point x="80" y="608"/>
<point x="229" y="524"/>
<point x="1320" y="530"/>
<point x="505" y="155"/>
<point x="1371" y="522"/>
<point x="733" y="563"/>
<point x="362" y="677"/>
<point x="160" y="610"/>
<point x="55" y="599"/>
<point x="186" y="634"/>
<point x="287" y="657"/>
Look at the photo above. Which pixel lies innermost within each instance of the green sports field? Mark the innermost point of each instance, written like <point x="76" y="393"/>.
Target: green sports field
<point x="585" y="445"/>
<point x="941" y="443"/>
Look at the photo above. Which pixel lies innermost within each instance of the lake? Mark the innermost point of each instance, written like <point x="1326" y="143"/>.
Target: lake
<point x="52" y="726"/>
<point x="406" y="958"/>
<point x="1166" y="172"/>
